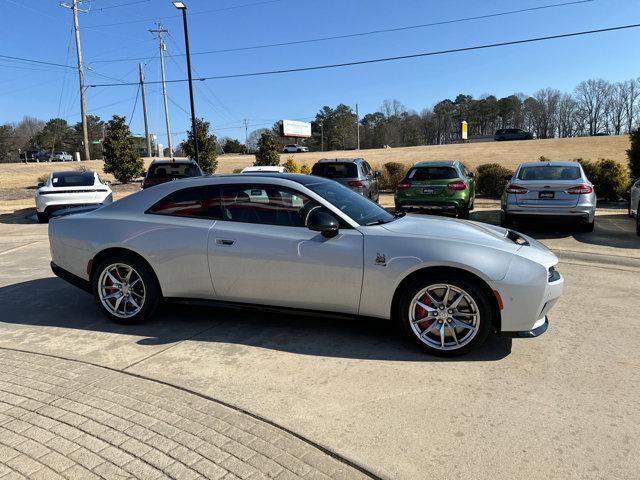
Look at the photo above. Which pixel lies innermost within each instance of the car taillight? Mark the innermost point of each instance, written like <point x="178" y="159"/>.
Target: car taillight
<point x="515" y="189"/>
<point x="356" y="183"/>
<point x="580" y="190"/>
<point x="403" y="185"/>
<point x="457" y="185"/>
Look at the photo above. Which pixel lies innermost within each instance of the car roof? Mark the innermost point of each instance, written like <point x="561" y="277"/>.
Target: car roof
<point x="263" y="168"/>
<point x="300" y="178"/>
<point x="341" y="160"/>
<point x="437" y="163"/>
<point x="172" y="161"/>
<point x="549" y="163"/>
<point x="69" y="173"/>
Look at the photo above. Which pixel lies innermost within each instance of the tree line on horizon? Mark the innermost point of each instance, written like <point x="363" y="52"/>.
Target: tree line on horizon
<point x="595" y="106"/>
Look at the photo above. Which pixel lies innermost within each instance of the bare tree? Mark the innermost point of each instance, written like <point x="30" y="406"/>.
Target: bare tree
<point x="592" y="97"/>
<point x="617" y="106"/>
<point x="25" y="130"/>
<point x="392" y="107"/>
<point x="566" y="116"/>
<point x="254" y="137"/>
<point x="547" y="111"/>
<point x="631" y="96"/>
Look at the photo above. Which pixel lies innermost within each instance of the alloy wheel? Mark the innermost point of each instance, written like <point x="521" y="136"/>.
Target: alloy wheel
<point x="121" y="290"/>
<point x="444" y="317"/>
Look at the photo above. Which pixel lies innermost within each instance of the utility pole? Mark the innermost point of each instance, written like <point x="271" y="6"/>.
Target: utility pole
<point x="144" y="110"/>
<point x="358" y="125"/>
<point x="322" y="137"/>
<point x="246" y="135"/>
<point x="160" y="30"/>
<point x="83" y="106"/>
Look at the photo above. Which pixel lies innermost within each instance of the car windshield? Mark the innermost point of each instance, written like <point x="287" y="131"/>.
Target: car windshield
<point x="72" y="179"/>
<point x="432" y="173"/>
<point x="352" y="204"/>
<point x="173" y="170"/>
<point x="335" y="170"/>
<point x="549" y="172"/>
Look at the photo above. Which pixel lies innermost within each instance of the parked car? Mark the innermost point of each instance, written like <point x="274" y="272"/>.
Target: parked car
<point x="60" y="156"/>
<point x="437" y="185"/>
<point x="550" y="191"/>
<point x="513" y="134"/>
<point x="355" y="173"/>
<point x="294" y="148"/>
<point x="264" y="169"/>
<point x="31" y="156"/>
<point x="238" y="239"/>
<point x="45" y="156"/>
<point x="64" y="190"/>
<point x="161" y="171"/>
<point x="634" y="203"/>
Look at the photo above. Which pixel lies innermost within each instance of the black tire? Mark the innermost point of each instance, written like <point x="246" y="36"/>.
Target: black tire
<point x="153" y="295"/>
<point x="638" y="219"/>
<point x="463" y="212"/>
<point x="399" y="208"/>
<point x="470" y="286"/>
<point x="472" y="205"/>
<point x="629" y="209"/>
<point x="588" y="226"/>
<point x="505" y="220"/>
<point x="42" y="217"/>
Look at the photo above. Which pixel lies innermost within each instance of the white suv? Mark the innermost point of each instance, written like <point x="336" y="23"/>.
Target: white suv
<point x="62" y="157"/>
<point x="70" y="189"/>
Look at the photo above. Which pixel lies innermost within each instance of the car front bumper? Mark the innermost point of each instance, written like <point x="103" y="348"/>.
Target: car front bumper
<point x="538" y="329"/>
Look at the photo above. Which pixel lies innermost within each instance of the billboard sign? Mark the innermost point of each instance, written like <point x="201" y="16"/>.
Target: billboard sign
<point x="465" y="130"/>
<point x="293" y="128"/>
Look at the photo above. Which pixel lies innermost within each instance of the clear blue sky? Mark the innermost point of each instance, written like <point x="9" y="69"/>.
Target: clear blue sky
<point x="40" y="29"/>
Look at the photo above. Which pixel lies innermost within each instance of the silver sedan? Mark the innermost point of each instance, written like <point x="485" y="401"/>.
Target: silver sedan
<point x="300" y="242"/>
<point x="550" y="190"/>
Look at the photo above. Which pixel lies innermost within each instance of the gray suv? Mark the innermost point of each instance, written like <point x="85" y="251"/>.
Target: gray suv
<point x="634" y="203"/>
<point x="355" y="173"/>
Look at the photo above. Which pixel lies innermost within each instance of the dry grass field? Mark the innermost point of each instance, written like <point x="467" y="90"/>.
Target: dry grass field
<point x="17" y="180"/>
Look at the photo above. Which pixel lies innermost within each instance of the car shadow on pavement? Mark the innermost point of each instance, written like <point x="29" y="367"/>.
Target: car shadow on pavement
<point x="57" y="304"/>
<point x="24" y="216"/>
<point x="611" y="230"/>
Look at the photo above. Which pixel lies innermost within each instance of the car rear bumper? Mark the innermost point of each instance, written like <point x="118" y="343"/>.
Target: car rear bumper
<point x="429" y="204"/>
<point x="71" y="278"/>
<point x="578" y="212"/>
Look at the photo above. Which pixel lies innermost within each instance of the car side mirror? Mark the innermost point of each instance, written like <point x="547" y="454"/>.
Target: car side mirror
<point x="376" y="174"/>
<point x="41" y="184"/>
<point x="324" y="223"/>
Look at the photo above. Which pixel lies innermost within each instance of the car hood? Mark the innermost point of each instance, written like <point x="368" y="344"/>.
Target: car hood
<point x="453" y="229"/>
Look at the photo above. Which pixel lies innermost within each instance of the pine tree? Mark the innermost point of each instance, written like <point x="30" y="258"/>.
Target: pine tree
<point x="268" y="150"/>
<point x="207" y="146"/>
<point x="120" y="156"/>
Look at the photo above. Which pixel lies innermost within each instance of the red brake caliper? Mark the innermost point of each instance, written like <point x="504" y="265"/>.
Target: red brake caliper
<point x="421" y="312"/>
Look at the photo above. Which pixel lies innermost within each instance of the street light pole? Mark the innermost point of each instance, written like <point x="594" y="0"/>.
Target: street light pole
<point x="183" y="7"/>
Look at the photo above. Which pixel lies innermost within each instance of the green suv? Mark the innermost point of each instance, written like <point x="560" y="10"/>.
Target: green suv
<point x="442" y="185"/>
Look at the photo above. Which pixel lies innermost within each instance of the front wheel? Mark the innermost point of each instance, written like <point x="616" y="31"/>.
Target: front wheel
<point x="445" y="314"/>
<point x="125" y="289"/>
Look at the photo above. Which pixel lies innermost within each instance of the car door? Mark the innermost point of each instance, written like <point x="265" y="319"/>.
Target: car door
<point x="635" y="197"/>
<point x="262" y="253"/>
<point x="372" y="180"/>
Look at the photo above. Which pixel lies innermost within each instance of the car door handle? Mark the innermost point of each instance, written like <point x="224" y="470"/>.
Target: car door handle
<point x="224" y="242"/>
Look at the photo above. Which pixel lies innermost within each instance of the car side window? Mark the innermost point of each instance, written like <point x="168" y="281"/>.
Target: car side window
<point x="195" y="202"/>
<point x="266" y="205"/>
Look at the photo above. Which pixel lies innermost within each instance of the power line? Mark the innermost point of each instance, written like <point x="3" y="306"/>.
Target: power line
<point x="201" y="12"/>
<point x="362" y="34"/>
<point x="119" y="5"/>
<point x="40" y="62"/>
<point x="399" y="57"/>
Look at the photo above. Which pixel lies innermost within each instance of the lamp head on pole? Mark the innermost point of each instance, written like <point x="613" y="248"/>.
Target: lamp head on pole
<point x="180" y="5"/>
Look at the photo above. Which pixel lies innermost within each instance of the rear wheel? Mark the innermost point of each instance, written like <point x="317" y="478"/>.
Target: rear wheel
<point x="588" y="226"/>
<point x="505" y="219"/>
<point x="125" y="289"/>
<point x="638" y="219"/>
<point x="445" y="314"/>
<point x="463" y="212"/>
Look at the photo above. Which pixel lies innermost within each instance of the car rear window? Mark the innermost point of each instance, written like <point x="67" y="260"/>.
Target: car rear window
<point x="432" y="173"/>
<point x="173" y="170"/>
<point x="72" y="179"/>
<point x="335" y="170"/>
<point x="549" y="172"/>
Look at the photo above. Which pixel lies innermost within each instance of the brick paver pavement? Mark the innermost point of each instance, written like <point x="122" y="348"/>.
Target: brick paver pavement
<point x="63" y="419"/>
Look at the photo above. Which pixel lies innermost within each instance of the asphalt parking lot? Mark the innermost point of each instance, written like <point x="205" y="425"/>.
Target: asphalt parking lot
<point x="565" y="405"/>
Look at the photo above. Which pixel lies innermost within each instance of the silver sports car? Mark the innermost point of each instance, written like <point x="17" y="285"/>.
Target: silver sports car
<point x="301" y="242"/>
